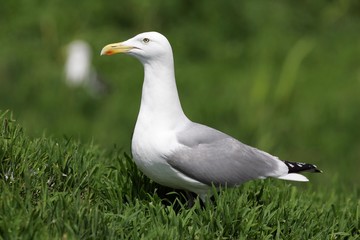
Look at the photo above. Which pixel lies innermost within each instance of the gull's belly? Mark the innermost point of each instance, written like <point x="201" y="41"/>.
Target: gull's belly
<point x="149" y="155"/>
<point x="152" y="164"/>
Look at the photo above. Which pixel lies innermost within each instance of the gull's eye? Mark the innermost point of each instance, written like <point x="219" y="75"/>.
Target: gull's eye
<point x="146" y="40"/>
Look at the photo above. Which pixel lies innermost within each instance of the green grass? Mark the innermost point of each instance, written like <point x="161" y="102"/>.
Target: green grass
<point x="63" y="189"/>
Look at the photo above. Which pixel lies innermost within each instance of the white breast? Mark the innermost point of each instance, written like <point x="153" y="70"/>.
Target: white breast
<point x="150" y="146"/>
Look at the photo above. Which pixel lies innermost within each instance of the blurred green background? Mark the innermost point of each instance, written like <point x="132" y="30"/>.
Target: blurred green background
<point x="283" y="76"/>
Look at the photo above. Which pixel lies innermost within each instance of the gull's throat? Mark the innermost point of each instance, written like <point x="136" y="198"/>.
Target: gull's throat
<point x="160" y="101"/>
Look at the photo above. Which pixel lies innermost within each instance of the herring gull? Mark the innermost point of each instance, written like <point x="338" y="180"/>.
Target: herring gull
<point x="174" y="151"/>
<point x="79" y="71"/>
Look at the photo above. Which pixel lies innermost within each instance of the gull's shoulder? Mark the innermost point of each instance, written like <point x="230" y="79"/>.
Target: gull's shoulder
<point x="193" y="134"/>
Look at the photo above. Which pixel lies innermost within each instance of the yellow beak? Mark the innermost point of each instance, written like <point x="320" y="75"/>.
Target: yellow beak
<point x="114" y="48"/>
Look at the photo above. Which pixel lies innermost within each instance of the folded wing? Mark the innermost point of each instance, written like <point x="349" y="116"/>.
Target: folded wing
<point x="211" y="156"/>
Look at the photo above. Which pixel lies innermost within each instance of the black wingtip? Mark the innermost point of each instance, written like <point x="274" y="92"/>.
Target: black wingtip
<point x="295" y="167"/>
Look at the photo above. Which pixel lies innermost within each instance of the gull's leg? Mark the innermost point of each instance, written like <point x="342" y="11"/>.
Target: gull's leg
<point x="190" y="199"/>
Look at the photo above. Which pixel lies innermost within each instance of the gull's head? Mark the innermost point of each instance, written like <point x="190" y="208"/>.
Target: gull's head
<point x="147" y="47"/>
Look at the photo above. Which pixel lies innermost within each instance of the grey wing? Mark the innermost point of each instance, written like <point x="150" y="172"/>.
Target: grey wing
<point x="211" y="156"/>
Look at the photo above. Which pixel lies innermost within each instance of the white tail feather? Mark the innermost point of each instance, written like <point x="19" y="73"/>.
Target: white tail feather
<point x="294" y="177"/>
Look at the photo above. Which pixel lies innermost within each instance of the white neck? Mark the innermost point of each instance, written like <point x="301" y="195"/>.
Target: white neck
<point x="160" y="104"/>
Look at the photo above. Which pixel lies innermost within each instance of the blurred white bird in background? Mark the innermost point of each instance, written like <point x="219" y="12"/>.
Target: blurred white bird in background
<point x="79" y="71"/>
